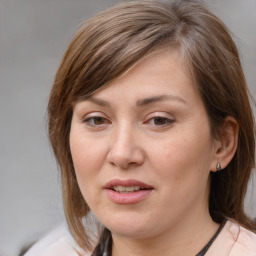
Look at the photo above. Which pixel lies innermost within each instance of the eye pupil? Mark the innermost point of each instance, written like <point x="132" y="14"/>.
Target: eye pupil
<point x="98" y="120"/>
<point x="159" y="121"/>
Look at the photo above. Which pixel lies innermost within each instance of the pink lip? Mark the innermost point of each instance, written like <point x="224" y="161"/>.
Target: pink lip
<point x="129" y="197"/>
<point x="126" y="183"/>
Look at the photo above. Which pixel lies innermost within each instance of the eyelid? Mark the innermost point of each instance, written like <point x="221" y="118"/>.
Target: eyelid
<point x="161" y="115"/>
<point x="93" y="115"/>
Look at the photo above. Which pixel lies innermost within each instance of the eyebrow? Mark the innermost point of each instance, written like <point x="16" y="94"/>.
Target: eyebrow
<point x="140" y="103"/>
<point x="154" y="99"/>
<point x="99" y="102"/>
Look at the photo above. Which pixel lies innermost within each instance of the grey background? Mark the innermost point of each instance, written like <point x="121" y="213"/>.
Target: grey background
<point x="33" y="37"/>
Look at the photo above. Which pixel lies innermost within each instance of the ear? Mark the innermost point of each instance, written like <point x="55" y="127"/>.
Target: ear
<point x="225" y="147"/>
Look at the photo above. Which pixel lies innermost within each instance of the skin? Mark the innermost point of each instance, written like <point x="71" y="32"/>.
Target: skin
<point x="164" y="142"/>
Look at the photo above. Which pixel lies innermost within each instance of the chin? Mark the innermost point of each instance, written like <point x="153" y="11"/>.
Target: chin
<point x="128" y="227"/>
<point x="132" y="233"/>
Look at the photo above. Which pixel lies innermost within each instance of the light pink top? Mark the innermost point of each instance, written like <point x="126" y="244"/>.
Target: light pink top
<point x="233" y="240"/>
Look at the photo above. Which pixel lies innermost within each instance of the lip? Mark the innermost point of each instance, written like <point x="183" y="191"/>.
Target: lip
<point x="129" y="197"/>
<point x="126" y="183"/>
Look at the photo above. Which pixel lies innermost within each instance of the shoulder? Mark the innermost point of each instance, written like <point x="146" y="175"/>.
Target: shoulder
<point x="56" y="243"/>
<point x="234" y="240"/>
<point x="245" y="240"/>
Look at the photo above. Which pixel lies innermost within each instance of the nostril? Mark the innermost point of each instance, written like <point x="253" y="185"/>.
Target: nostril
<point x="124" y="151"/>
<point x="125" y="159"/>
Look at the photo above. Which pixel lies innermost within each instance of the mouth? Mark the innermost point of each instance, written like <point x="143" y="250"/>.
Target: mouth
<point x="127" y="186"/>
<point x="129" y="189"/>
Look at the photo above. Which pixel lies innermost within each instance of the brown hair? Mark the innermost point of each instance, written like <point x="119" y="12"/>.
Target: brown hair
<point x="109" y="44"/>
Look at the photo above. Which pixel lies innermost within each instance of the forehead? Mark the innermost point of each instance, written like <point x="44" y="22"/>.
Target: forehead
<point x="157" y="77"/>
<point x="153" y="72"/>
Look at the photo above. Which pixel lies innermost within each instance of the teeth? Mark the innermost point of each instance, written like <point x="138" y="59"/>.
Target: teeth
<point x="122" y="189"/>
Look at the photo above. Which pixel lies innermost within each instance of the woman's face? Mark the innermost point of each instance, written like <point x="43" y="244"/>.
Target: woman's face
<point x="142" y="150"/>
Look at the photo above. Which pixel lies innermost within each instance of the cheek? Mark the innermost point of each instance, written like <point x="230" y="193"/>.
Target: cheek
<point x="86" y="164"/>
<point x="86" y="153"/>
<point x="184" y="157"/>
<point x="88" y="158"/>
<point x="182" y="170"/>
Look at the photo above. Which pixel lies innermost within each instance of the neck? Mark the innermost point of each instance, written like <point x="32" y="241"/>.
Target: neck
<point x="184" y="239"/>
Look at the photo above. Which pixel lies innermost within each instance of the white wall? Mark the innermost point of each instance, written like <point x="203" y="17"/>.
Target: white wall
<point x="33" y="37"/>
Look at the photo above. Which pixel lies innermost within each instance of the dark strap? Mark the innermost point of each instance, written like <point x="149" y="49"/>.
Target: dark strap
<point x="104" y="248"/>
<point x="205" y="249"/>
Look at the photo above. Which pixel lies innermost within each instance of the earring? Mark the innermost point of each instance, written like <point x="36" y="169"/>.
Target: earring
<point x="218" y="167"/>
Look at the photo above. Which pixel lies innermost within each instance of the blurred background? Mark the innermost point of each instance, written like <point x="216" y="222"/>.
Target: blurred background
<point x="33" y="37"/>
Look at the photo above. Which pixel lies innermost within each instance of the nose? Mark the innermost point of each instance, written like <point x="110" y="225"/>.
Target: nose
<point x="125" y="150"/>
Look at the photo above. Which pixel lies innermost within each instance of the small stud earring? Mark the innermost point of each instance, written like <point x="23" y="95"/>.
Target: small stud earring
<point x="218" y="167"/>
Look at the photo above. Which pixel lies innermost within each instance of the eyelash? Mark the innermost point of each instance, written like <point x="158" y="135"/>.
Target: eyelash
<point x="89" y="120"/>
<point x="92" y="121"/>
<point x="167" y="121"/>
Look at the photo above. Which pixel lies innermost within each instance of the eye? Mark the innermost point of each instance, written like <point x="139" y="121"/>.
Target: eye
<point x="96" y="121"/>
<point x="160" y="121"/>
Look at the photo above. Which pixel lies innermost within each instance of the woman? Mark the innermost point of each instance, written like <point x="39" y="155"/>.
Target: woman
<point x="150" y="122"/>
